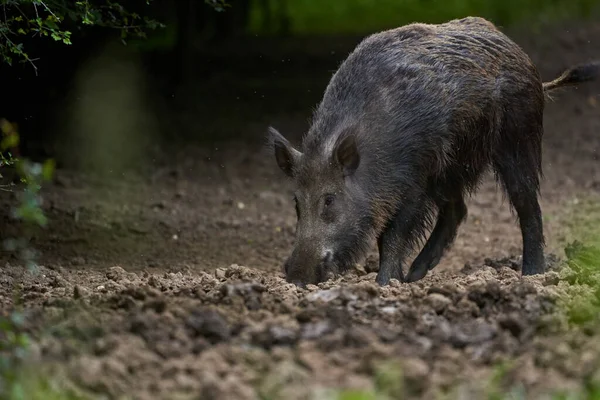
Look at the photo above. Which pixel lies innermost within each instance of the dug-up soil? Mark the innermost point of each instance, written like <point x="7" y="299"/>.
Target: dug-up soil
<point x="166" y="284"/>
<point x="242" y="334"/>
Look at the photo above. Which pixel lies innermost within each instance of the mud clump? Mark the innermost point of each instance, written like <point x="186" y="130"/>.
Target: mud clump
<point x="209" y="324"/>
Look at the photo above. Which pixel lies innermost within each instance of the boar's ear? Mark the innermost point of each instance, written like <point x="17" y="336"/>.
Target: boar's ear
<point x="345" y="153"/>
<point x="286" y="155"/>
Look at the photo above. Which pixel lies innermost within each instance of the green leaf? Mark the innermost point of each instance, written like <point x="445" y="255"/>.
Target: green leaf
<point x="9" y="141"/>
<point x="48" y="169"/>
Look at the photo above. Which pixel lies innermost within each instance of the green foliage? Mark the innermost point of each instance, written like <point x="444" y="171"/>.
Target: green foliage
<point x="589" y="391"/>
<point x="18" y="380"/>
<point x="53" y="18"/>
<point x="357" y="395"/>
<point x="15" y="382"/>
<point x="583" y="303"/>
<point x="389" y="379"/>
<point x="13" y="351"/>
<point x="28" y="211"/>
<point x="218" y="5"/>
<point x="309" y="17"/>
<point x="13" y="344"/>
<point x="582" y="259"/>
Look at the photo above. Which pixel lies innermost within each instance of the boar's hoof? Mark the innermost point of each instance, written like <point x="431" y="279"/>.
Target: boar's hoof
<point x="416" y="275"/>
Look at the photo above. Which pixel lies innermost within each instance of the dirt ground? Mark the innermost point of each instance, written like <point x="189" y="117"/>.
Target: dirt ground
<point x="166" y="283"/>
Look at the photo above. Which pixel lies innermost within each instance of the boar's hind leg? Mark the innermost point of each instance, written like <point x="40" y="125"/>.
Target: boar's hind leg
<point x="397" y="240"/>
<point x="518" y="167"/>
<point x="451" y="214"/>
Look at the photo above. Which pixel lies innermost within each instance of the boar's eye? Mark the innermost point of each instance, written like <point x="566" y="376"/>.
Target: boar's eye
<point x="329" y="200"/>
<point x="328" y="213"/>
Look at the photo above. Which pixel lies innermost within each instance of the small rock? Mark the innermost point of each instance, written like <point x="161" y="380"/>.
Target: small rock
<point x="154" y="282"/>
<point x="242" y="289"/>
<point x="275" y="335"/>
<point x="209" y="324"/>
<point x="116" y="274"/>
<point x="58" y="281"/>
<point x="551" y="278"/>
<point x="395" y="283"/>
<point x="283" y="335"/>
<point x="220" y="273"/>
<point x="447" y="290"/>
<point x="315" y="330"/>
<point x="371" y="289"/>
<point x="79" y="292"/>
<point x="472" y="332"/>
<point x="438" y="302"/>
<point x="324" y="295"/>
<point x="389" y="310"/>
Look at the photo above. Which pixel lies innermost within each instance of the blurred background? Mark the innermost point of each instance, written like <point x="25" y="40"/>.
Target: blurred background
<point x="217" y="71"/>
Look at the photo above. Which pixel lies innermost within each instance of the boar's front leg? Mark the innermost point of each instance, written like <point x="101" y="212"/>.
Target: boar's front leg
<point x="397" y="240"/>
<point x="451" y="215"/>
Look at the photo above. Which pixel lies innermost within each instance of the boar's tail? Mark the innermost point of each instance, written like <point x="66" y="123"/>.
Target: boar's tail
<point x="574" y="75"/>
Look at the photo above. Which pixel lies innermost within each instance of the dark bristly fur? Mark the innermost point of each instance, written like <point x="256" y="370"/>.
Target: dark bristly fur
<point x="406" y="127"/>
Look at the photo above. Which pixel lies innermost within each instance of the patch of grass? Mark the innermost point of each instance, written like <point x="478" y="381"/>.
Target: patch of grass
<point x="31" y="384"/>
<point x="22" y="379"/>
<point x="309" y="17"/>
<point x="581" y="241"/>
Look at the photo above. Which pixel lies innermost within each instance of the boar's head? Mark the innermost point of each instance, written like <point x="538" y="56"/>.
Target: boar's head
<point x="334" y="223"/>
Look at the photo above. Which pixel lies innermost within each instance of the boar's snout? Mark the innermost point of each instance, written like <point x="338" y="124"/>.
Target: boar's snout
<point x="304" y="267"/>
